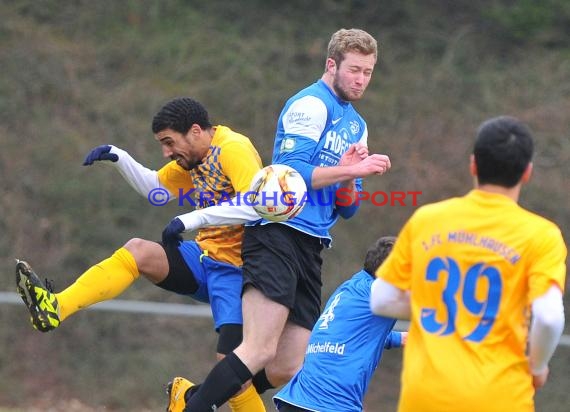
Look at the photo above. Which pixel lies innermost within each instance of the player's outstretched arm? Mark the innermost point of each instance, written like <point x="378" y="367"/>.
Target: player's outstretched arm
<point x="232" y="212"/>
<point x="140" y="178"/>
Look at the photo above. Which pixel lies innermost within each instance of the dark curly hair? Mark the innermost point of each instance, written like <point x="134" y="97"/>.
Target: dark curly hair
<point x="179" y="115"/>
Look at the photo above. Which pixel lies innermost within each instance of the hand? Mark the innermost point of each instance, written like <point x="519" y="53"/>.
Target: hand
<point x="100" y="153"/>
<point x="172" y="233"/>
<point x="539" y="379"/>
<point x="404" y="338"/>
<point x="355" y="153"/>
<point x="374" y="164"/>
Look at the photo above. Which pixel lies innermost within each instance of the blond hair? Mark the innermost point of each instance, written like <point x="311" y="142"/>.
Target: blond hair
<point x="347" y="40"/>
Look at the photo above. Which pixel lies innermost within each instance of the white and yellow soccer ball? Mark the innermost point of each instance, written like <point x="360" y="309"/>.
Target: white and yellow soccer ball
<point x="277" y="192"/>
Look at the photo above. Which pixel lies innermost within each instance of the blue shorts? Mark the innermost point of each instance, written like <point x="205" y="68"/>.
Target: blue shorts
<point x="219" y="284"/>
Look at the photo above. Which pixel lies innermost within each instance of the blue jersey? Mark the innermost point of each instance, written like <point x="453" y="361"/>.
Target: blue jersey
<point x="315" y="128"/>
<point x="344" y="349"/>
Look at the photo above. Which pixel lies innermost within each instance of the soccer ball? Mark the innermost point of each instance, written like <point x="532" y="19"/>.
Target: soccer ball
<point x="276" y="193"/>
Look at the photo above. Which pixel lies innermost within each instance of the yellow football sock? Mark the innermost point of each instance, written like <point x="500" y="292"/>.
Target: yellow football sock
<point x="100" y="282"/>
<point x="247" y="401"/>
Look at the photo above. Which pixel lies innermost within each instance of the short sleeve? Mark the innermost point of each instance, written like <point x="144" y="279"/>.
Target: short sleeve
<point x="175" y="179"/>
<point x="547" y="262"/>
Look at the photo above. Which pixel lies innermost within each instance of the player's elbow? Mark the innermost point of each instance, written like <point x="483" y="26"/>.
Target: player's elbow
<point x="346" y="212"/>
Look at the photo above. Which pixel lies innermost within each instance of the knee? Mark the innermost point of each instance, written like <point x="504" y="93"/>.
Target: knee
<point x="142" y="253"/>
<point x="280" y="374"/>
<point x="256" y="357"/>
<point x="282" y="369"/>
<point x="135" y="244"/>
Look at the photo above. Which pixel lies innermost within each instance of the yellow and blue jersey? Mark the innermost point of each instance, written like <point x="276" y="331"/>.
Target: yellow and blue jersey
<point x="227" y="169"/>
<point x="473" y="265"/>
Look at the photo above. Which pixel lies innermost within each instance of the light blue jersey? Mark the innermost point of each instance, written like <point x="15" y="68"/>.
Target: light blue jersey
<point x="315" y="129"/>
<point x="344" y="349"/>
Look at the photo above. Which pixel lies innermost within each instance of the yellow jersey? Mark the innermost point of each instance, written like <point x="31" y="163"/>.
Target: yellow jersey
<point x="227" y="169"/>
<point x="473" y="265"/>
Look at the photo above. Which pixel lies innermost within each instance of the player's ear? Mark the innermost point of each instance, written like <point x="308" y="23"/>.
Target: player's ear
<point x="527" y="173"/>
<point x="193" y="133"/>
<point x="195" y="129"/>
<point x="331" y="65"/>
<point x="472" y="166"/>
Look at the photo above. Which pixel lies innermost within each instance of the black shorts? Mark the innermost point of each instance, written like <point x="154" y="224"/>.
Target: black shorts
<point x="180" y="278"/>
<point x="286" y="407"/>
<point x="285" y="265"/>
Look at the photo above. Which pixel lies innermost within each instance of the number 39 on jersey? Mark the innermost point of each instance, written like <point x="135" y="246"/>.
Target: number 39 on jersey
<point x="463" y="292"/>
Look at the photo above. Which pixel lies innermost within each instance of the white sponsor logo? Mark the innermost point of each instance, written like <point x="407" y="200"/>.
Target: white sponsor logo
<point x="326" y="347"/>
<point x="294" y="117"/>
<point x="328" y="314"/>
<point x="335" y="121"/>
<point x="336" y="143"/>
